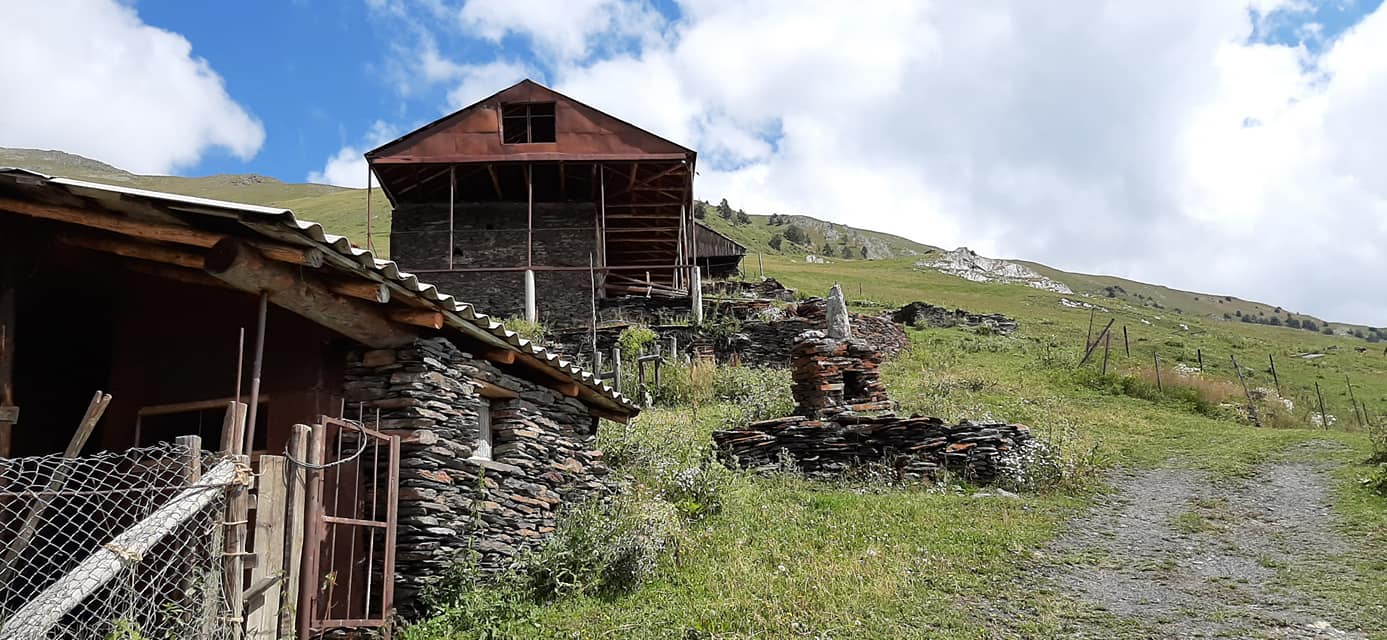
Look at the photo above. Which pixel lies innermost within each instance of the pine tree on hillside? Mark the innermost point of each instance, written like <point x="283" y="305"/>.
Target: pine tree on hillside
<point x="848" y="252"/>
<point x="742" y="217"/>
<point x="725" y="210"/>
<point x="827" y="249"/>
<point x="864" y="252"/>
<point x="774" y="242"/>
<point x="700" y="211"/>
<point x="795" y="234"/>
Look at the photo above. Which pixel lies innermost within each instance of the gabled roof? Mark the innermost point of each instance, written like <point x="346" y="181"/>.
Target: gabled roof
<point x="274" y="224"/>
<point x="473" y="135"/>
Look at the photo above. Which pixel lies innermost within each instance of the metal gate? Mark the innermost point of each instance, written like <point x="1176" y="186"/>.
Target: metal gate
<point x="349" y="546"/>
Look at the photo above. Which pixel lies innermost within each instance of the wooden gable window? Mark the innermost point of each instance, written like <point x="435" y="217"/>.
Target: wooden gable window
<point x="527" y="122"/>
<point x="481" y="450"/>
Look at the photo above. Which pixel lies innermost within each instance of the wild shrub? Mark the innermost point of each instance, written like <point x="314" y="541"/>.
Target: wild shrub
<point x="1377" y="435"/>
<point x="602" y="547"/>
<point x="1054" y="460"/>
<point x="695" y="491"/>
<point x="532" y="331"/>
<point x="759" y="392"/>
<point x="633" y="340"/>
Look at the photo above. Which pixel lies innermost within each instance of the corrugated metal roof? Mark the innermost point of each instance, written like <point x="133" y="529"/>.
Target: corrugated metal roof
<point x="460" y="315"/>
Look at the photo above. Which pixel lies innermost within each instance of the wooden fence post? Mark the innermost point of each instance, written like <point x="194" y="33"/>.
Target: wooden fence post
<point x="1274" y="378"/>
<point x="312" y="537"/>
<point x="616" y="368"/>
<point x="1353" y="401"/>
<point x="1251" y="409"/>
<point x="1089" y="340"/>
<point x="1126" y="346"/>
<point x="1107" y="342"/>
<point x="234" y="552"/>
<point x="1157" y="360"/>
<point x="1088" y="350"/>
<point x="1199" y="355"/>
<point x="1324" y="418"/>
<point x="296" y="495"/>
<point x="267" y="576"/>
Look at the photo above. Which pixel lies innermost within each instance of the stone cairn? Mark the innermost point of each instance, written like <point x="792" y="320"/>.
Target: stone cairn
<point x="837" y="385"/>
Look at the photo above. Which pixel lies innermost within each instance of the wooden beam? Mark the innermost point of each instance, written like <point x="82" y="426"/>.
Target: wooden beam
<point x="244" y="268"/>
<point x="125" y="226"/>
<point x="418" y="317"/>
<point x="136" y="250"/>
<point x="500" y="356"/>
<point x="634" y="170"/>
<point x="569" y="389"/>
<point x="367" y="290"/>
<point x="488" y="390"/>
<point x="196" y="277"/>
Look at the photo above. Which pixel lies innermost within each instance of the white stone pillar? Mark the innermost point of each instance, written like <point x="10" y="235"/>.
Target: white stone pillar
<point x="836" y="314"/>
<point x="696" y="293"/>
<point x="531" y="310"/>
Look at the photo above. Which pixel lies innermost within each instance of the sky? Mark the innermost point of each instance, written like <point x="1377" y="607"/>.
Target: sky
<point x="1228" y="146"/>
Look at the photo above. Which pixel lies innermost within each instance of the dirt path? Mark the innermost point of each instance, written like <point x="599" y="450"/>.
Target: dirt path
<point x="1172" y="554"/>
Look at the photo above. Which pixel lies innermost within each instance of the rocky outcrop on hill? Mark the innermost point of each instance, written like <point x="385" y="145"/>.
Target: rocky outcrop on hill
<point x="967" y="264"/>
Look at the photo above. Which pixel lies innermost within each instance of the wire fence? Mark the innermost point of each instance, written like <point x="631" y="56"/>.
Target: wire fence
<point x="120" y="545"/>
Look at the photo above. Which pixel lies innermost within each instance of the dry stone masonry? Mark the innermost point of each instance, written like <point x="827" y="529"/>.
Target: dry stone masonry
<point x="915" y="448"/>
<point x="837" y="388"/>
<point x="450" y="503"/>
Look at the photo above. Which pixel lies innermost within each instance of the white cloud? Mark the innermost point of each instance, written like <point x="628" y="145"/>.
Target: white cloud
<point x="114" y="89"/>
<point x="563" y="30"/>
<point x="1165" y="142"/>
<point x="347" y="167"/>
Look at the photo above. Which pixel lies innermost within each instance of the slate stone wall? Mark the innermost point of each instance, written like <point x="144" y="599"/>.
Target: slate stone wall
<point x="493" y="234"/>
<point x="543" y="458"/>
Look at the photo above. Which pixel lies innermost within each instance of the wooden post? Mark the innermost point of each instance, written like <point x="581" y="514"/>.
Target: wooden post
<point x="233" y="555"/>
<point x="592" y="278"/>
<point x="29" y="526"/>
<point x="602" y="207"/>
<point x="1156" y="359"/>
<point x="370" y="246"/>
<point x="1199" y="355"/>
<point x="1274" y="377"/>
<point x="452" y="202"/>
<point x="760" y="265"/>
<point x="1251" y="409"/>
<point x="312" y="536"/>
<point x="1088" y="350"/>
<point x="529" y="216"/>
<point x="294" y="517"/>
<point x="616" y="368"/>
<point x="1324" y="417"/>
<point x="1107" y="342"/>
<point x="1089" y="340"/>
<point x="1354" y="401"/>
<point x="267" y="576"/>
<point x="257" y="361"/>
<point x="1126" y="346"/>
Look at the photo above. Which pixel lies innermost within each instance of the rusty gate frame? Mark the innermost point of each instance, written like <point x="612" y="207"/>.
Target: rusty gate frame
<point x="315" y="611"/>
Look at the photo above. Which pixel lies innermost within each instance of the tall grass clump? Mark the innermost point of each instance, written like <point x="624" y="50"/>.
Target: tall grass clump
<point x="533" y="331"/>
<point x="1193" y="392"/>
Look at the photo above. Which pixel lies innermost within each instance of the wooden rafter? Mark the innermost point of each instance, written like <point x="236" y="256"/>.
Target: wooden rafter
<point x="495" y="182"/>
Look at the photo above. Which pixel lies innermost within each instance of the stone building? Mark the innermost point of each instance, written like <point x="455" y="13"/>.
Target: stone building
<point x="530" y="202"/>
<point x="145" y="294"/>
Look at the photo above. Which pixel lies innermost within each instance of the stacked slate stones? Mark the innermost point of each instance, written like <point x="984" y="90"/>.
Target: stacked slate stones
<point x="543" y="458"/>
<point x="833" y="376"/>
<point x="914" y="448"/>
<point x="837" y="383"/>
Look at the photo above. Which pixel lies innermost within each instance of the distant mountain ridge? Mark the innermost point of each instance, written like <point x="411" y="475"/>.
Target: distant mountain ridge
<point x="343" y="210"/>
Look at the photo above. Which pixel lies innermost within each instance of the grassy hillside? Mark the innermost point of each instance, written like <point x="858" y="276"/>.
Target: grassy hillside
<point x="779" y="557"/>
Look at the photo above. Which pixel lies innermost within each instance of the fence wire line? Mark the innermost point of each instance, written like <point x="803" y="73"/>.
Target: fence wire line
<point x="75" y="520"/>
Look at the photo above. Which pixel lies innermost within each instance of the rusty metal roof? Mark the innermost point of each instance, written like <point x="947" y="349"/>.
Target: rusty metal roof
<point x="281" y="225"/>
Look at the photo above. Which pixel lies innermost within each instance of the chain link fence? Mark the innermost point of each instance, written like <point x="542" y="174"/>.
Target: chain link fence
<point x="120" y="545"/>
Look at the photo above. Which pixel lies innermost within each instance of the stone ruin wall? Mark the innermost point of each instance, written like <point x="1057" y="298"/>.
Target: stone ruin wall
<point x="543" y="458"/>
